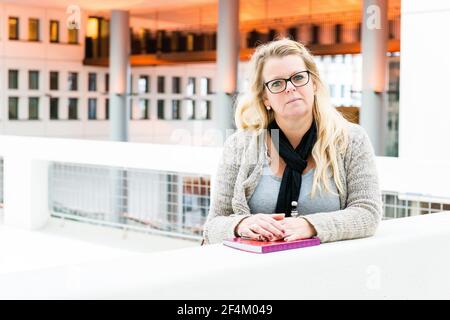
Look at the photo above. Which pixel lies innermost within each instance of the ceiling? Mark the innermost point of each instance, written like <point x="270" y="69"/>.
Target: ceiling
<point x="182" y="13"/>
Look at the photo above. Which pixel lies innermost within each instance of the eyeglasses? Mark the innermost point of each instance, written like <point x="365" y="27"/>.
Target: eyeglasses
<point x="299" y="79"/>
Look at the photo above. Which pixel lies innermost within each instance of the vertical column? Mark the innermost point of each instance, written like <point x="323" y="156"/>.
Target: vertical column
<point x="374" y="46"/>
<point x="227" y="64"/>
<point x="119" y="73"/>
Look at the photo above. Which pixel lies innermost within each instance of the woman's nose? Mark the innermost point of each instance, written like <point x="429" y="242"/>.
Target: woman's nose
<point x="289" y="87"/>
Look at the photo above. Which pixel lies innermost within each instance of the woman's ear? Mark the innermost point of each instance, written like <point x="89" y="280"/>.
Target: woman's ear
<point x="265" y="100"/>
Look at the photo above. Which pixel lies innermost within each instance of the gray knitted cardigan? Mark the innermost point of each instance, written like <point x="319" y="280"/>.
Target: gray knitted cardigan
<point x="241" y="166"/>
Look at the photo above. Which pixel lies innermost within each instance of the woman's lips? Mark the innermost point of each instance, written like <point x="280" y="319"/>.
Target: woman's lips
<point x="296" y="99"/>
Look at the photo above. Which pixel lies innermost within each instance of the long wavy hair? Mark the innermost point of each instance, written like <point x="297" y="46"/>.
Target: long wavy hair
<point x="332" y="127"/>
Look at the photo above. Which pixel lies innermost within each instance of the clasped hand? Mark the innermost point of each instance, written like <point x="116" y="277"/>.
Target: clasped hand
<point x="272" y="227"/>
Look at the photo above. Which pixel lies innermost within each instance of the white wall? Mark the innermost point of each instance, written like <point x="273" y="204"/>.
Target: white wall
<point x="424" y="86"/>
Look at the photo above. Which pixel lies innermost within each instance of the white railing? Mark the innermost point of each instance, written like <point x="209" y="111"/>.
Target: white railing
<point x="26" y="168"/>
<point x="406" y="259"/>
<point x="26" y="173"/>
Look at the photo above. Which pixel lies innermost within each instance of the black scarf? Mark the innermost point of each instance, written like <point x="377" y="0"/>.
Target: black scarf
<point x="296" y="162"/>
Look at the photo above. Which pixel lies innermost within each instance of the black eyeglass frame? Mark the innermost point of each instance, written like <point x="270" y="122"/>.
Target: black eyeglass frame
<point x="266" y="84"/>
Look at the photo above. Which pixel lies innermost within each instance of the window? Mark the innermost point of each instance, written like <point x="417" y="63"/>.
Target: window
<point x="205" y="86"/>
<point x="331" y="87"/>
<point x="131" y="83"/>
<point x="130" y="109"/>
<point x="73" y="109"/>
<point x="160" y="109"/>
<point x="92" y="81"/>
<point x="190" y="42"/>
<point x="106" y="82"/>
<point x="33" y="108"/>
<point x="315" y="34"/>
<point x="13" y="24"/>
<point x="143" y="85"/>
<point x="33" y="80"/>
<point x="190" y="87"/>
<point x="73" y="81"/>
<point x="176" y="85"/>
<point x="161" y="88"/>
<point x="73" y="36"/>
<point x="176" y="112"/>
<point x="54" y="80"/>
<point x="13" y="108"/>
<point x="107" y="108"/>
<point x="54" y="31"/>
<point x="54" y="108"/>
<point x="33" y="29"/>
<point x="13" y="79"/>
<point x="92" y="109"/>
<point x="143" y="109"/>
<point x="190" y="109"/>
<point x="205" y="110"/>
<point x="338" y="33"/>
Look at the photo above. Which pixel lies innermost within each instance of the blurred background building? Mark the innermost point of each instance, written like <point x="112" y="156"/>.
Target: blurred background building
<point x="55" y="79"/>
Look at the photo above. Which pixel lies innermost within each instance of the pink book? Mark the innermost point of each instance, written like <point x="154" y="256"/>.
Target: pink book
<point x="269" y="246"/>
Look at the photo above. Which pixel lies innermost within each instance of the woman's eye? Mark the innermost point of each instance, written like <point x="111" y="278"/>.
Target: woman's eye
<point x="298" y="77"/>
<point x="275" y="84"/>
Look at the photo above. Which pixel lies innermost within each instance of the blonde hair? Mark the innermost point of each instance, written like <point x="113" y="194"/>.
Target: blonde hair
<point x="332" y="134"/>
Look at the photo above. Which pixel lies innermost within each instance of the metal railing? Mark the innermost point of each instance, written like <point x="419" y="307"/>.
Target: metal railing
<point x="164" y="202"/>
<point x="396" y="207"/>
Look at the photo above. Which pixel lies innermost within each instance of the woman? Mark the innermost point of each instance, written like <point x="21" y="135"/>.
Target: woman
<point x="292" y="145"/>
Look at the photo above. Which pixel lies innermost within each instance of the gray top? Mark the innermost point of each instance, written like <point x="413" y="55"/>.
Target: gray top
<point x="240" y="169"/>
<point x="264" y="198"/>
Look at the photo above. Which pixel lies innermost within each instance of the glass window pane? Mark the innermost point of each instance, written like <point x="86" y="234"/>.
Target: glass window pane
<point x="33" y="80"/>
<point x="176" y="85"/>
<point x="143" y="84"/>
<point x="33" y="108"/>
<point x="54" y="31"/>
<point x="143" y="109"/>
<point x="73" y="36"/>
<point x="33" y="29"/>
<point x="73" y="81"/>
<point x="190" y="87"/>
<point x="160" y="109"/>
<point x="176" y="112"/>
<point x="131" y="83"/>
<point x="92" y="108"/>
<point x="331" y="88"/>
<point x="73" y="109"/>
<point x="13" y="79"/>
<point x="92" y="81"/>
<point x="106" y="82"/>
<point x="204" y="110"/>
<point x="54" y="80"/>
<point x="161" y="88"/>
<point x="107" y="108"/>
<point x="205" y="86"/>
<point x="13" y="108"/>
<point x="190" y="109"/>
<point x="13" y="24"/>
<point x="54" y="108"/>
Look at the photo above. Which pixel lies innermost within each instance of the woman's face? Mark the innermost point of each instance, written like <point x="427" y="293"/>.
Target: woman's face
<point x="294" y="102"/>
